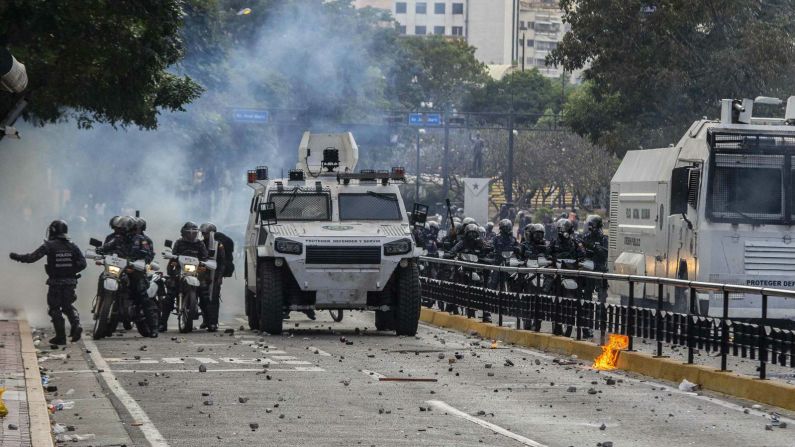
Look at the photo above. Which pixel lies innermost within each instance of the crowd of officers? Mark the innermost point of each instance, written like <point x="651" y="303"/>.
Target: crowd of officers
<point x="467" y="237"/>
<point x="128" y="240"/>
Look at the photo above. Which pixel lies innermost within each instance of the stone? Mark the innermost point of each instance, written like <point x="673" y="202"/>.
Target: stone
<point x="603" y="427"/>
<point x="572" y="389"/>
<point x="592" y="391"/>
<point x="202" y="368"/>
<point x="253" y="426"/>
<point x="242" y="399"/>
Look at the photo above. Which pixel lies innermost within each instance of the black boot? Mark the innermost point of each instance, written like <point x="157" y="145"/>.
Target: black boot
<point x="75" y="333"/>
<point x="60" y="333"/>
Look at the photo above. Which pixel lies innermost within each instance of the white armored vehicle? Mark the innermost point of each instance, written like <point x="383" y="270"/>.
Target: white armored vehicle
<point x="328" y="238"/>
<point x="719" y="206"/>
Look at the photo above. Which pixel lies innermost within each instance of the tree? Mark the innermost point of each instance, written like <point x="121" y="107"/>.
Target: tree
<point x="435" y="69"/>
<point x="657" y="66"/>
<point x="99" y="61"/>
<point x="524" y="92"/>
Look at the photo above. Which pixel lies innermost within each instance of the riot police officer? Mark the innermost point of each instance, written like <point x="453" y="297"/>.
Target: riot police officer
<point x="187" y="245"/>
<point x="471" y="243"/>
<point x="534" y="243"/>
<point x="64" y="262"/>
<point x="210" y="292"/>
<point x="504" y="242"/>
<point x="490" y="232"/>
<point x="566" y="245"/>
<point x="114" y="226"/>
<point x="595" y="243"/>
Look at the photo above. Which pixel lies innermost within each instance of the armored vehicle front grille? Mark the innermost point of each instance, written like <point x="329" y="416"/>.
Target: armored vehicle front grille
<point x="342" y="255"/>
<point x="769" y="258"/>
<point x="393" y="230"/>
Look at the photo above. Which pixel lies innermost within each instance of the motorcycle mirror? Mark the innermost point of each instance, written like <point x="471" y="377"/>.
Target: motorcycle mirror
<point x="95" y="242"/>
<point x="168" y="243"/>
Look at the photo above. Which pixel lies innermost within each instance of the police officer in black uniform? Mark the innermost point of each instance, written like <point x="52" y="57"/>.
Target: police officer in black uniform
<point x="210" y="300"/>
<point x="64" y="262"/>
<point x="141" y="248"/>
<point x="595" y="243"/>
<point x="114" y="226"/>
<point x="187" y="245"/>
<point x="534" y="243"/>
<point x="502" y="243"/>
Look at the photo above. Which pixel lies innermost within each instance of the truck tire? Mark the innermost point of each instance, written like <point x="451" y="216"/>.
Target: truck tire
<point x="252" y="310"/>
<point x="270" y="295"/>
<point x="407" y="309"/>
<point x="384" y="320"/>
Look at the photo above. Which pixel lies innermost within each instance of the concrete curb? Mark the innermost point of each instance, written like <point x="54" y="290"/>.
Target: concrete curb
<point x="37" y="405"/>
<point x="745" y="387"/>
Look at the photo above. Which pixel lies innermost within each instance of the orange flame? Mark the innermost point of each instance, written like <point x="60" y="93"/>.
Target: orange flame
<point x="609" y="357"/>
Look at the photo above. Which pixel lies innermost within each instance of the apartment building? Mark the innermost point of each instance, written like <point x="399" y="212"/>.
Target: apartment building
<point x="516" y="33"/>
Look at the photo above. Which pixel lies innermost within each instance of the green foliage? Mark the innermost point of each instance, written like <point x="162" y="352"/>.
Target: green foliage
<point x="435" y="69"/>
<point x="98" y="61"/>
<point x="657" y="66"/>
<point x="527" y="92"/>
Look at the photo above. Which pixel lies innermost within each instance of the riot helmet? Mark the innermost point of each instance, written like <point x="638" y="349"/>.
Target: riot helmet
<point x="114" y="222"/>
<point x="471" y="232"/>
<point x="126" y="224"/>
<point x="57" y="229"/>
<point x="490" y="227"/>
<point x="207" y="228"/>
<point x="565" y="228"/>
<point x="534" y="233"/>
<point x="468" y="220"/>
<point x="189" y="231"/>
<point x="506" y="227"/>
<point x="482" y="232"/>
<point x="593" y="222"/>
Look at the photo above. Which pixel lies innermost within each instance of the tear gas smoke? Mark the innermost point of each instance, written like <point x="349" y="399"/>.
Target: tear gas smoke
<point x="192" y="168"/>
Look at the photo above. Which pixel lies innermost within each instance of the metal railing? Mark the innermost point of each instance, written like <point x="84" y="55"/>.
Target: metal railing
<point x="540" y="297"/>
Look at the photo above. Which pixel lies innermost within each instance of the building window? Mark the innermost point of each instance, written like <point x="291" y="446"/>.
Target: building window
<point x="458" y="8"/>
<point x="419" y="30"/>
<point x="530" y="43"/>
<point x="522" y="25"/>
<point x="400" y="8"/>
<point x="421" y="8"/>
<point x="438" y="8"/>
<point x="458" y="30"/>
<point x="541" y="63"/>
<point x="546" y="46"/>
<point x="401" y="29"/>
<point x="438" y="30"/>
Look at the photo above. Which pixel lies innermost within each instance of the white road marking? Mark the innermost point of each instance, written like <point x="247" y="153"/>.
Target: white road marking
<point x="269" y="352"/>
<point x="148" y="429"/>
<point x="373" y="374"/>
<point x="173" y="360"/>
<point x="246" y="361"/>
<point x="284" y="357"/>
<point x="204" y="360"/>
<point x="124" y="360"/>
<point x="241" y="320"/>
<point x="168" y="371"/>
<point x="318" y="351"/>
<point x="296" y="362"/>
<point x="439" y="405"/>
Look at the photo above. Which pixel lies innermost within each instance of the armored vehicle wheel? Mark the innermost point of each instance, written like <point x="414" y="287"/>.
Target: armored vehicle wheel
<point x="336" y="314"/>
<point x="384" y="320"/>
<point x="270" y="295"/>
<point x="407" y="309"/>
<point x="252" y="310"/>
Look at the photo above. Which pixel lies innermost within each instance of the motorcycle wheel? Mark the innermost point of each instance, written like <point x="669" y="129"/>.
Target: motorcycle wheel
<point x="184" y="318"/>
<point x="336" y="315"/>
<point x="102" y="322"/>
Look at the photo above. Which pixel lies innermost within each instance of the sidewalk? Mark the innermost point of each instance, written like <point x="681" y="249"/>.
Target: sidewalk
<point x="24" y="396"/>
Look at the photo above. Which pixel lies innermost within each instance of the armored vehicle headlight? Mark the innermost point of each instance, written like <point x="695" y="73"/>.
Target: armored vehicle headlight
<point x="399" y="247"/>
<point x="289" y="247"/>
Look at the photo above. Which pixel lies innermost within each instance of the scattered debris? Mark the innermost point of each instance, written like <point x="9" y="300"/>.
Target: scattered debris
<point x="202" y="368"/>
<point x="603" y="426"/>
<point x="13" y="427"/>
<point x="254" y="426"/>
<point x="508" y="362"/>
<point x="242" y="399"/>
<point x="592" y="391"/>
<point x="572" y="389"/>
<point x="687" y="386"/>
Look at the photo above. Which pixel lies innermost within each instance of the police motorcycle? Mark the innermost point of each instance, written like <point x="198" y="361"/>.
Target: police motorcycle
<point x="572" y="287"/>
<point x="186" y="307"/>
<point x="112" y="303"/>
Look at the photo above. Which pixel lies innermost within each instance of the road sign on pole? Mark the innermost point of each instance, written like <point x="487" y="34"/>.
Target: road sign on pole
<point x="250" y="116"/>
<point x="415" y="119"/>
<point x="433" y="119"/>
<point x="425" y="119"/>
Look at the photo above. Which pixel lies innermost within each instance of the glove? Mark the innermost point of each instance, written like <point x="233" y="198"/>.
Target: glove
<point x="15" y="256"/>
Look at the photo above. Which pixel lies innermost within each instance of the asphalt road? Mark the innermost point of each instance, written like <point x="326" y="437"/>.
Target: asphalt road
<point x="320" y="385"/>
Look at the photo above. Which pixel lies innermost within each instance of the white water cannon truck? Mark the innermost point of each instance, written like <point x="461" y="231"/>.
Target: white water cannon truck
<point x="329" y="238"/>
<point x="719" y="206"/>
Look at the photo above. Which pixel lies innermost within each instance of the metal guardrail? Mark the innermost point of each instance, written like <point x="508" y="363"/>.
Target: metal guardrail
<point x="546" y="300"/>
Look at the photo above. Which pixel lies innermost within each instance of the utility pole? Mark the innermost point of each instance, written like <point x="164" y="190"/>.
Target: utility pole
<point x="446" y="157"/>
<point x="417" y="181"/>
<point x="524" y="45"/>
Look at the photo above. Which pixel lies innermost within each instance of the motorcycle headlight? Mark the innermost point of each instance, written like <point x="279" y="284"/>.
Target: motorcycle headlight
<point x="189" y="268"/>
<point x="289" y="247"/>
<point x="399" y="247"/>
<point x="113" y="270"/>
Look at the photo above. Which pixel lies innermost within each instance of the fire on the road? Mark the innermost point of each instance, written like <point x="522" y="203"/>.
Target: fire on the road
<point x="609" y="357"/>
